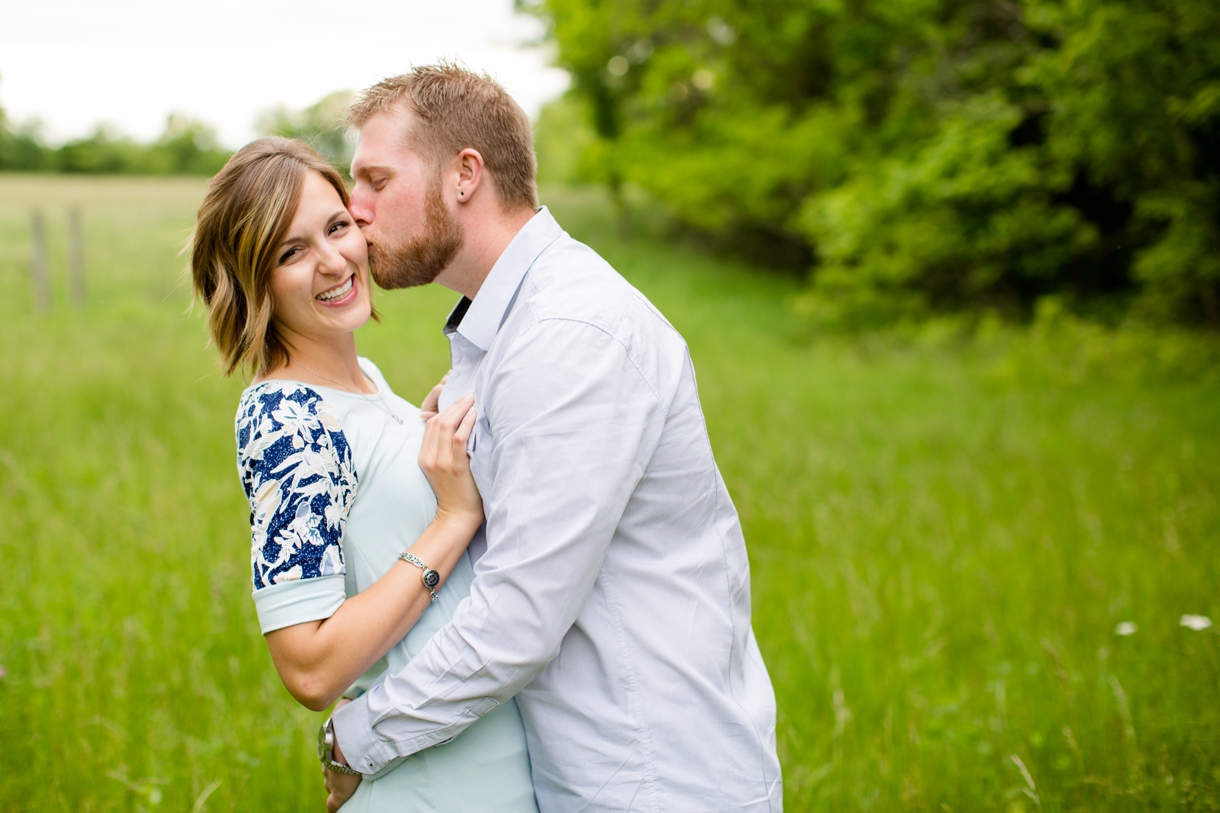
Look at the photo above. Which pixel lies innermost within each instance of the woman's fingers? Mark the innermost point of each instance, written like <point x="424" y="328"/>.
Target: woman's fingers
<point x="452" y="415"/>
<point x="460" y="414"/>
<point x="448" y="419"/>
<point x="437" y="450"/>
<point x="430" y="406"/>
<point x="462" y="435"/>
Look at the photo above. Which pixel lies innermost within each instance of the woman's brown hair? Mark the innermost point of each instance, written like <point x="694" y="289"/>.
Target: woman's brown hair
<point x="247" y="210"/>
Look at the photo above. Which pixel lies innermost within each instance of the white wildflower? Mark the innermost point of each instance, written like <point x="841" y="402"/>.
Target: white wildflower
<point x="1126" y="628"/>
<point x="1198" y="623"/>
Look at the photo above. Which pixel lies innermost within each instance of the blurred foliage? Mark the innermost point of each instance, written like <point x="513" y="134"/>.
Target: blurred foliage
<point x="929" y="155"/>
<point x="187" y="147"/>
<point x="564" y="142"/>
<point x="320" y="125"/>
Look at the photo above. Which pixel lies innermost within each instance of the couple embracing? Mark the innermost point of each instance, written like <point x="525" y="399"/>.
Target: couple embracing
<point x="530" y="593"/>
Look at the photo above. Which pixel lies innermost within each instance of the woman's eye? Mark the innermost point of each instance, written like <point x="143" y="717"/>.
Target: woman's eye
<point x="289" y="254"/>
<point x="342" y="224"/>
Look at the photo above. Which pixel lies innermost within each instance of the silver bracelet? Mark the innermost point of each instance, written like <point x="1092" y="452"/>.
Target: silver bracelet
<point x="430" y="576"/>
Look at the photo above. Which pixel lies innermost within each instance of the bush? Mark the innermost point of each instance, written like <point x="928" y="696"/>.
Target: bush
<point x="320" y="125"/>
<point x="187" y="147"/>
<point x="934" y="155"/>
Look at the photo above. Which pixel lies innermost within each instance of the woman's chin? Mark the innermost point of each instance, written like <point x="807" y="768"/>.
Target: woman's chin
<point x="357" y="318"/>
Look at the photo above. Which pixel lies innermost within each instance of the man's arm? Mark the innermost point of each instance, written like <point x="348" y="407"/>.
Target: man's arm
<point x="574" y="422"/>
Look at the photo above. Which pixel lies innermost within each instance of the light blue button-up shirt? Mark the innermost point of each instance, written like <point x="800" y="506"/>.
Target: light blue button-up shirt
<point x="612" y="590"/>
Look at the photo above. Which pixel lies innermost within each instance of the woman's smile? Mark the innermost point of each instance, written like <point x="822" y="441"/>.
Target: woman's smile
<point x="342" y="294"/>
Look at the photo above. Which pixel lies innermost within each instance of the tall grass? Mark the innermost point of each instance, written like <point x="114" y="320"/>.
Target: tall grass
<point x="944" y="535"/>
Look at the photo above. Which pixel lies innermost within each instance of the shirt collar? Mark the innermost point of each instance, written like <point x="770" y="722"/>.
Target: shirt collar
<point x="479" y="320"/>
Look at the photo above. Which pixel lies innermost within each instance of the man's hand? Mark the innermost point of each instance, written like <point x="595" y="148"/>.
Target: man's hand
<point x="339" y="786"/>
<point x="431" y="404"/>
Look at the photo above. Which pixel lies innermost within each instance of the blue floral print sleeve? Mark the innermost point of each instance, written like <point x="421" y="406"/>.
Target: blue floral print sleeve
<point x="296" y="468"/>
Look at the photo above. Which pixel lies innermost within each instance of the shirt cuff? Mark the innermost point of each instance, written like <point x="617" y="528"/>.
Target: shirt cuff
<point x="283" y="605"/>
<point x="361" y="747"/>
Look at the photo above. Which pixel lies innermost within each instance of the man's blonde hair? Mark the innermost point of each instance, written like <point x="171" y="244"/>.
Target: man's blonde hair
<point x="458" y="109"/>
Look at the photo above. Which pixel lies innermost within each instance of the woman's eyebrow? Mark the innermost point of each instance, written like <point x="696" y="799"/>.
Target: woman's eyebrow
<point x="341" y="213"/>
<point x="289" y="239"/>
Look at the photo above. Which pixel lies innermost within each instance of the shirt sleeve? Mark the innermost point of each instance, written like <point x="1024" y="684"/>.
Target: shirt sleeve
<point x="296" y="469"/>
<point x="574" y="423"/>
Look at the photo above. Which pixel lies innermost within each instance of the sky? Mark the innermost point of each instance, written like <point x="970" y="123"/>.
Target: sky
<point x="75" y="63"/>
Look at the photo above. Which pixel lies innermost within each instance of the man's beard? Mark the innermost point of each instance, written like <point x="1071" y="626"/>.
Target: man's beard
<point x="418" y="260"/>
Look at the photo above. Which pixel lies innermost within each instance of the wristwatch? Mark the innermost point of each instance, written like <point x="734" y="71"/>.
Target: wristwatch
<point x="431" y="577"/>
<point x="326" y="749"/>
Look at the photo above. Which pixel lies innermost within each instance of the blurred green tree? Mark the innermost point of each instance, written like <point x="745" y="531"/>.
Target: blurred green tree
<point x="186" y="147"/>
<point x="104" y="151"/>
<point x="320" y="125"/>
<point x="931" y="154"/>
<point x="22" y="148"/>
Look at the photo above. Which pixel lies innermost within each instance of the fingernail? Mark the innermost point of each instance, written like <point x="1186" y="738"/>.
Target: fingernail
<point x="470" y="394"/>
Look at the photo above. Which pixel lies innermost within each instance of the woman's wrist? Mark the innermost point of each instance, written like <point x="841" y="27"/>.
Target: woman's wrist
<point x="458" y="521"/>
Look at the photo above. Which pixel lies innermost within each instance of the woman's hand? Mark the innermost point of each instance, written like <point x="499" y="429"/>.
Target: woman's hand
<point x="429" y="407"/>
<point x="446" y="464"/>
<point x="317" y="660"/>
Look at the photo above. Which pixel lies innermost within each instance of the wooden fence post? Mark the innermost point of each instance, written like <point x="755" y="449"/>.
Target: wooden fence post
<point x="38" y="263"/>
<point x="76" y="256"/>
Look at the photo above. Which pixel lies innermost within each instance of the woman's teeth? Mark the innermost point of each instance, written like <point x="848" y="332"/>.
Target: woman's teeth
<point x="335" y="293"/>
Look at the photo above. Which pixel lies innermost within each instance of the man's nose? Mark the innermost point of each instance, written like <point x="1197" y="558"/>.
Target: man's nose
<point x="360" y="206"/>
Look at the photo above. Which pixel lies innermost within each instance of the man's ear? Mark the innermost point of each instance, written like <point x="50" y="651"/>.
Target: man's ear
<point x="469" y="173"/>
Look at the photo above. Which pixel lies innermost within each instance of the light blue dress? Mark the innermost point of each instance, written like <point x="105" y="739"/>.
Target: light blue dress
<point x="336" y="493"/>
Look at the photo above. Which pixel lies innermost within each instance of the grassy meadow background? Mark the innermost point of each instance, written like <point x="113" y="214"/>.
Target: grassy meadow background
<point x="944" y="531"/>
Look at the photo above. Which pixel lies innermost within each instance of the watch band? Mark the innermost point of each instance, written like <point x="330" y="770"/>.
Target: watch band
<point x="431" y="577"/>
<point x="326" y="749"/>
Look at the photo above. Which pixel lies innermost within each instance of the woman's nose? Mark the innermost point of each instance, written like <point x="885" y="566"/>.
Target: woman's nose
<point x="331" y="260"/>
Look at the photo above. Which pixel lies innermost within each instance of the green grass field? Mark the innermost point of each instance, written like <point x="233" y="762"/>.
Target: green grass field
<point x="943" y="533"/>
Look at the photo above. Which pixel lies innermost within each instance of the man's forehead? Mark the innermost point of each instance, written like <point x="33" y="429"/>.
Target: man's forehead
<point x="383" y="138"/>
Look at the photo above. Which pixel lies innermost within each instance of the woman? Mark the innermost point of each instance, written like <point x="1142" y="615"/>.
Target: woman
<point x="357" y="561"/>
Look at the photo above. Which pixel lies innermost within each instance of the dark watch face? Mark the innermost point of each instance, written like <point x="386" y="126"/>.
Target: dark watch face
<point x="431" y="579"/>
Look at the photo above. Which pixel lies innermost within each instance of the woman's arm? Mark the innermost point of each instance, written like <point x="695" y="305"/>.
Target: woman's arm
<point x="317" y="660"/>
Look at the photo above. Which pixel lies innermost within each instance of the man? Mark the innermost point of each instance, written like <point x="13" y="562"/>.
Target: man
<point x="611" y="591"/>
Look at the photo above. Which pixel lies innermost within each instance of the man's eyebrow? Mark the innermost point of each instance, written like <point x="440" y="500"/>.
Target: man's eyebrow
<point x="366" y="170"/>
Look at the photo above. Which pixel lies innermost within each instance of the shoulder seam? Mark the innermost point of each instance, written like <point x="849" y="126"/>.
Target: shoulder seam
<point x="626" y="350"/>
